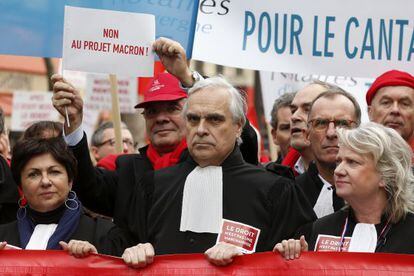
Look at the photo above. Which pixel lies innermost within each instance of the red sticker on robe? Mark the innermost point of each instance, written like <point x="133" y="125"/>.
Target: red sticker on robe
<point x="239" y="234"/>
<point x="331" y="243"/>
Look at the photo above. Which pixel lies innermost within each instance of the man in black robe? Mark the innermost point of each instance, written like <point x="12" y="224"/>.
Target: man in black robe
<point x="190" y="201"/>
<point x="331" y="109"/>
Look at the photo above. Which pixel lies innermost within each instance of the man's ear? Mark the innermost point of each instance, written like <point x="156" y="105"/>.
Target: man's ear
<point x="274" y="136"/>
<point x="94" y="151"/>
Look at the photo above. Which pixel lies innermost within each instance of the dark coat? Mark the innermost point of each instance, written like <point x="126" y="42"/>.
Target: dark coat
<point x="311" y="185"/>
<point x="109" y="192"/>
<point x="8" y="194"/>
<point x="103" y="234"/>
<point x="251" y="195"/>
<point x="399" y="238"/>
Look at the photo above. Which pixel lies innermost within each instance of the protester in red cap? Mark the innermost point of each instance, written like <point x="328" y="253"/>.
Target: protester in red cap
<point x="390" y="102"/>
<point x="109" y="192"/>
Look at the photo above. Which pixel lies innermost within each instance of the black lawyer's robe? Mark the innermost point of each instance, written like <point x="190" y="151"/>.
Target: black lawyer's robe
<point x="103" y="234"/>
<point x="312" y="185"/>
<point x="399" y="239"/>
<point x="251" y="195"/>
<point x="8" y="194"/>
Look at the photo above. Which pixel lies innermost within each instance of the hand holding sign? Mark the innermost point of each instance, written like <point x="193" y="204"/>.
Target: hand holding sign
<point x="172" y="56"/>
<point x="66" y="96"/>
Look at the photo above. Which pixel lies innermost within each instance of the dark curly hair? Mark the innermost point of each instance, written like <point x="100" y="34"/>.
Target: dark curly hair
<point x="26" y="149"/>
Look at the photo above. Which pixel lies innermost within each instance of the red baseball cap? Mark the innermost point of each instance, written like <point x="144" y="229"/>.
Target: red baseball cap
<point x="164" y="87"/>
<point x="389" y="78"/>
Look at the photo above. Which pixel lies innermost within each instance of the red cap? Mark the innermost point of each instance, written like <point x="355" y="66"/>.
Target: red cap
<point x="390" y="78"/>
<point x="164" y="87"/>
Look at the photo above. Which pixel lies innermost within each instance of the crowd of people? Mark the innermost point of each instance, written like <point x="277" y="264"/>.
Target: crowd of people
<point x="335" y="179"/>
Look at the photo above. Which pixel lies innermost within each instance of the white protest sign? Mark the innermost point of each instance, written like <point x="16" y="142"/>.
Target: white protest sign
<point x="112" y="42"/>
<point x="275" y="84"/>
<point x="30" y="107"/>
<point x="98" y="98"/>
<point x="341" y="38"/>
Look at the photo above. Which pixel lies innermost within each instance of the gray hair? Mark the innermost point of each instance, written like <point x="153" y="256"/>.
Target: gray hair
<point x="238" y="103"/>
<point x="283" y="101"/>
<point x="97" y="136"/>
<point x="392" y="156"/>
<point x="337" y="91"/>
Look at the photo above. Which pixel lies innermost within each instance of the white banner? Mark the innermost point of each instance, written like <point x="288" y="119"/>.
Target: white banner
<point x="103" y="41"/>
<point x="341" y="38"/>
<point x="98" y="98"/>
<point x="275" y="84"/>
<point x="30" y="107"/>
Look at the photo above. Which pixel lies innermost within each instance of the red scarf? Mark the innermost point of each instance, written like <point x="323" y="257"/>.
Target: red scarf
<point x="290" y="159"/>
<point x="168" y="159"/>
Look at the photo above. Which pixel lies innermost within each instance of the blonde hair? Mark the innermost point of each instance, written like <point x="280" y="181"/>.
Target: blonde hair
<point x="392" y="156"/>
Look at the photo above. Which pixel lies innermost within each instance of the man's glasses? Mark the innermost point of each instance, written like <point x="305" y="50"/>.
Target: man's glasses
<point x="323" y="124"/>
<point x="111" y="142"/>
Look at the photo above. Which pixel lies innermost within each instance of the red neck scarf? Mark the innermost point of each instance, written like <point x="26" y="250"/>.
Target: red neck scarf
<point x="168" y="159"/>
<point x="290" y="159"/>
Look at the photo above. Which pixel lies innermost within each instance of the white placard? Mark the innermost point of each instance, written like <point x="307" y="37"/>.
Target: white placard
<point x="340" y="38"/>
<point x="275" y="84"/>
<point x="30" y="107"/>
<point x="98" y="98"/>
<point x="112" y="42"/>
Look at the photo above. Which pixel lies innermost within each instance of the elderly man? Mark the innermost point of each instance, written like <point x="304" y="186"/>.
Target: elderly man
<point x="103" y="141"/>
<point x="332" y="109"/>
<point x="108" y="192"/>
<point x="390" y="102"/>
<point x="204" y="200"/>
<point x="301" y="155"/>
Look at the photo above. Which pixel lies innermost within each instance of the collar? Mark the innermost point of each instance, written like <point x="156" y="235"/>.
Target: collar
<point x="299" y="166"/>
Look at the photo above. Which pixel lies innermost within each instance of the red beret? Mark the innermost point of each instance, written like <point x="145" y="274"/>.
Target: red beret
<point x="390" y="78"/>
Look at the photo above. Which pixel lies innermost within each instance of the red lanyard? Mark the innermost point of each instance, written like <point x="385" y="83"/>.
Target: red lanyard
<point x="341" y="245"/>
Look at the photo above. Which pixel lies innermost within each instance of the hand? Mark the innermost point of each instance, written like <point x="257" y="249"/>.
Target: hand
<point x="79" y="249"/>
<point x="3" y="245"/>
<point x="66" y="95"/>
<point x="139" y="256"/>
<point x="173" y="57"/>
<point x="291" y="249"/>
<point x="222" y="253"/>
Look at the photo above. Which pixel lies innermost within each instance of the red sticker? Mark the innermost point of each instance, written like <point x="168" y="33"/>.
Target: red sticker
<point x="239" y="234"/>
<point x="331" y="243"/>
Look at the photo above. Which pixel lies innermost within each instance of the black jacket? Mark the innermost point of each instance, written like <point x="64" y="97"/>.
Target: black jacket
<point x="311" y="185"/>
<point x="8" y="194"/>
<point x="399" y="238"/>
<point x="102" y="233"/>
<point x="109" y="192"/>
<point x="251" y="195"/>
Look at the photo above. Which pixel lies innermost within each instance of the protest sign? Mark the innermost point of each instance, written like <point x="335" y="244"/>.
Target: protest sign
<point x="35" y="27"/>
<point x="98" y="98"/>
<point x="30" y="107"/>
<point x="275" y="84"/>
<point x="341" y="38"/>
<point x="110" y="42"/>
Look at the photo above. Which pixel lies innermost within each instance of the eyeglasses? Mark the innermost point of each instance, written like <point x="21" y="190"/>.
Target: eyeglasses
<point x="323" y="124"/>
<point x="111" y="142"/>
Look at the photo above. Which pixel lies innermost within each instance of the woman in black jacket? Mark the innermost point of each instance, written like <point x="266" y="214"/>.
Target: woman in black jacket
<point x="50" y="215"/>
